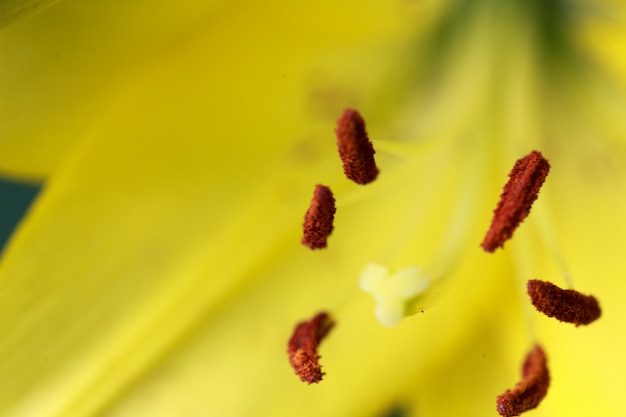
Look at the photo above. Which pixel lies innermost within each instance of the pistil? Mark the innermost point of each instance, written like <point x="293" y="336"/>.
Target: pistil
<point x="393" y="292"/>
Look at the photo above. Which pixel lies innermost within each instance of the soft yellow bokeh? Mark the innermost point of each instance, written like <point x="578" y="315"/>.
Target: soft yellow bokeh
<point x="12" y="10"/>
<point x="160" y="272"/>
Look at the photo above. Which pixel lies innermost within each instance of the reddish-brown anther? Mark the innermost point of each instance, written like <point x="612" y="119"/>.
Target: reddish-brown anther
<point x="525" y="180"/>
<point x="318" y="220"/>
<point x="355" y="149"/>
<point x="533" y="387"/>
<point x="565" y="305"/>
<point x="302" y="347"/>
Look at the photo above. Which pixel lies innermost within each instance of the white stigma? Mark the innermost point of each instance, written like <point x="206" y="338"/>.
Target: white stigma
<point x="393" y="292"/>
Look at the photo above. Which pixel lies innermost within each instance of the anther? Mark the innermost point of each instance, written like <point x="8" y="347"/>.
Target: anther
<point x="533" y="387"/>
<point x="302" y="347"/>
<point x="318" y="221"/>
<point x="355" y="149"/>
<point x="525" y="180"/>
<point x="565" y="305"/>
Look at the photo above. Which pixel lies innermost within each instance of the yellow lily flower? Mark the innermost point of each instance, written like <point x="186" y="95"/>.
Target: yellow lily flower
<point x="160" y="271"/>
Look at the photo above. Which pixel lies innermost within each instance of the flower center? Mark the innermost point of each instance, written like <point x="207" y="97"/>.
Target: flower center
<point x="400" y="293"/>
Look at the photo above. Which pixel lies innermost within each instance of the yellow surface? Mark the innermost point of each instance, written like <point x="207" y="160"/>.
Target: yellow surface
<point x="160" y="272"/>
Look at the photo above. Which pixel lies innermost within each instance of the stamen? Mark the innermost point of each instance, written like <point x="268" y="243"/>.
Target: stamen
<point x="565" y="305"/>
<point x="318" y="221"/>
<point x="355" y="149"/>
<point x="393" y="293"/>
<point x="302" y="347"/>
<point x="525" y="180"/>
<point x="533" y="387"/>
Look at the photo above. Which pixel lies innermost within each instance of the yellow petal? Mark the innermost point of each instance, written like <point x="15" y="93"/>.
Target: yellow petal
<point x="185" y="180"/>
<point x="60" y="83"/>
<point x="11" y="10"/>
<point x="59" y="68"/>
<point x="161" y="271"/>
